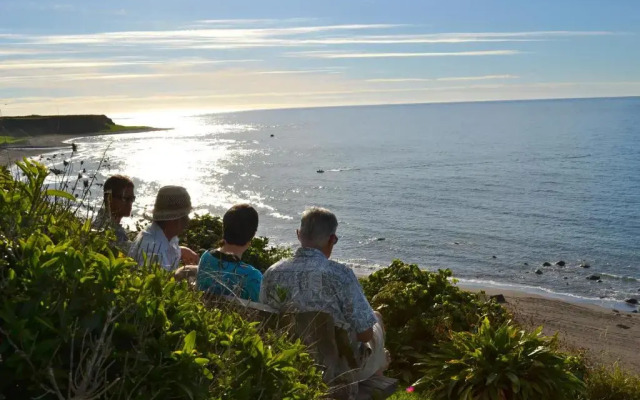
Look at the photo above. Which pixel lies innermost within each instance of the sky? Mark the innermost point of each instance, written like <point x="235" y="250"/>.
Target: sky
<point x="122" y="56"/>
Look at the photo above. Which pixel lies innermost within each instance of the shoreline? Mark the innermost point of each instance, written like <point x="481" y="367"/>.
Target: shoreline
<point x="605" y="335"/>
<point x="45" y="143"/>
<point x="603" y="332"/>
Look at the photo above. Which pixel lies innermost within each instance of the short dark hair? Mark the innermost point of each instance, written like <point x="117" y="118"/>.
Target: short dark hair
<point x="116" y="184"/>
<point x="240" y="224"/>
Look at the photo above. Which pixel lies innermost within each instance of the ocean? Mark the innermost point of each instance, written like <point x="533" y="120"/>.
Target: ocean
<point x="490" y="190"/>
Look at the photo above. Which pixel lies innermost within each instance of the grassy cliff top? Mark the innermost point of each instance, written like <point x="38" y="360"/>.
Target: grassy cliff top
<point x="38" y="125"/>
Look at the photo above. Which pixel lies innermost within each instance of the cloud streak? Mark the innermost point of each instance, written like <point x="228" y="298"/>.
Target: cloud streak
<point x="446" y="79"/>
<point x="333" y="55"/>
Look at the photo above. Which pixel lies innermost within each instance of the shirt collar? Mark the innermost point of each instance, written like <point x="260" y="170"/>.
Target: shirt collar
<point x="158" y="234"/>
<point x="309" y="252"/>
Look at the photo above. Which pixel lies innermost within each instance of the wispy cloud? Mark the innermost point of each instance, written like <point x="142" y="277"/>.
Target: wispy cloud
<point x="337" y="55"/>
<point x="290" y="72"/>
<point x="233" y="35"/>
<point x="49" y="64"/>
<point x="445" y="79"/>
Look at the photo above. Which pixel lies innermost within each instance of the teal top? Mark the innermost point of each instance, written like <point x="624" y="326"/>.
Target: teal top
<point x="224" y="274"/>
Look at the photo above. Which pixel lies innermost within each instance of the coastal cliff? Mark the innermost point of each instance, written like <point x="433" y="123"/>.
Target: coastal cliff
<point x="36" y="125"/>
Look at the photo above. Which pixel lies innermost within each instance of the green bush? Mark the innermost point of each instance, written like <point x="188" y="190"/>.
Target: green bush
<point x="205" y="232"/>
<point x="78" y="322"/>
<point x="499" y="363"/>
<point x="419" y="309"/>
<point x="611" y="383"/>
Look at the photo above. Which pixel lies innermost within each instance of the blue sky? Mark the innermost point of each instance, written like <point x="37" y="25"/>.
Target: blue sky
<point x="139" y="55"/>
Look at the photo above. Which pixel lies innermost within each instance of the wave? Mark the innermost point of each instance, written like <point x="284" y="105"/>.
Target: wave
<point x="608" y="301"/>
<point x="456" y="164"/>
<point x="620" y="277"/>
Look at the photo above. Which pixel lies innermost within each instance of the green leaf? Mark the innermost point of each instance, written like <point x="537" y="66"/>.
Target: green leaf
<point x="60" y="193"/>
<point x="189" y="342"/>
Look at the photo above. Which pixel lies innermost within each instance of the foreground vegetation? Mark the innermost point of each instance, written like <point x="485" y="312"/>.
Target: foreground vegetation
<point x="78" y="320"/>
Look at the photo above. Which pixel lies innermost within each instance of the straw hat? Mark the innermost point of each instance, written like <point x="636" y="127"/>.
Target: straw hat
<point x="172" y="202"/>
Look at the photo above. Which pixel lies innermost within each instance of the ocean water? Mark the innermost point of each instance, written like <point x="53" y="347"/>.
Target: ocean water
<point x="489" y="190"/>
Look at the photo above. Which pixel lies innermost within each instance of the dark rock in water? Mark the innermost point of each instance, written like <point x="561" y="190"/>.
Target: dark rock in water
<point x="561" y="263"/>
<point x="272" y="135"/>
<point x="546" y="264"/>
<point x="380" y="239"/>
<point x="585" y="265"/>
<point x="615" y="311"/>
<point x="494" y="257"/>
<point x="320" y="171"/>
<point x="499" y="298"/>
<point x="565" y="278"/>
<point x="599" y="281"/>
<point x="635" y="311"/>
<point x="526" y="263"/>
<point x="593" y="277"/>
<point x="456" y="243"/>
<point x="539" y="271"/>
<point x="631" y="301"/>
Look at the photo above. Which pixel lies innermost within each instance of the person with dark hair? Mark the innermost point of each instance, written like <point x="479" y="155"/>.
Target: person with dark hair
<point x="159" y="242"/>
<point x="118" y="201"/>
<point x="221" y="271"/>
<point x="310" y="281"/>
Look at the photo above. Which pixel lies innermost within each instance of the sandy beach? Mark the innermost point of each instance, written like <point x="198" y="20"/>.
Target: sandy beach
<point x="606" y="335"/>
<point x="34" y="146"/>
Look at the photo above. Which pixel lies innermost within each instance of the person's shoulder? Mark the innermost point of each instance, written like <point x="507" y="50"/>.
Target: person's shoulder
<point x="206" y="258"/>
<point x="251" y="270"/>
<point x="334" y="267"/>
<point x="278" y="266"/>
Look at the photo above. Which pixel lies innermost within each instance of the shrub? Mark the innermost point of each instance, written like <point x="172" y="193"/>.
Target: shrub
<point x="499" y="363"/>
<point x="205" y="232"/>
<point x="612" y="383"/>
<point x="78" y="322"/>
<point x="419" y="309"/>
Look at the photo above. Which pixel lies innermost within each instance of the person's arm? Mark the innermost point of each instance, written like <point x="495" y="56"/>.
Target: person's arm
<point x="365" y="336"/>
<point x="188" y="256"/>
<point x="356" y="308"/>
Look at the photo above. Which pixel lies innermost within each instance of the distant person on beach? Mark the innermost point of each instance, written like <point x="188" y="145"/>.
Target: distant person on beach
<point x="118" y="201"/>
<point x="159" y="242"/>
<point x="310" y="281"/>
<point x="221" y="271"/>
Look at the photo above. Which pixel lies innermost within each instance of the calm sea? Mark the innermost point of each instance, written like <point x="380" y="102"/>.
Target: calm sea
<point x="489" y="190"/>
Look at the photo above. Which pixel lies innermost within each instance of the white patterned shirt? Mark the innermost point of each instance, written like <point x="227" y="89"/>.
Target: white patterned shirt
<point x="152" y="243"/>
<point x="310" y="282"/>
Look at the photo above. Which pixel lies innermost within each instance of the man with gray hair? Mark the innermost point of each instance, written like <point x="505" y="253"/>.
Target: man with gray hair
<point x="309" y="281"/>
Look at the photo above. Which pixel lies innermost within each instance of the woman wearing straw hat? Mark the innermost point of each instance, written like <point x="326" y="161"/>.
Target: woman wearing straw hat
<point x="159" y="243"/>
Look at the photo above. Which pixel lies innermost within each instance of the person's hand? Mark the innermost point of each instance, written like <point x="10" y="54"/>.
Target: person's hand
<point x="188" y="256"/>
<point x="186" y="272"/>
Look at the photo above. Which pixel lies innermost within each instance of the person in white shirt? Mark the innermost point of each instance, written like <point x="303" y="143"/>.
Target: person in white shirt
<point x="159" y="242"/>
